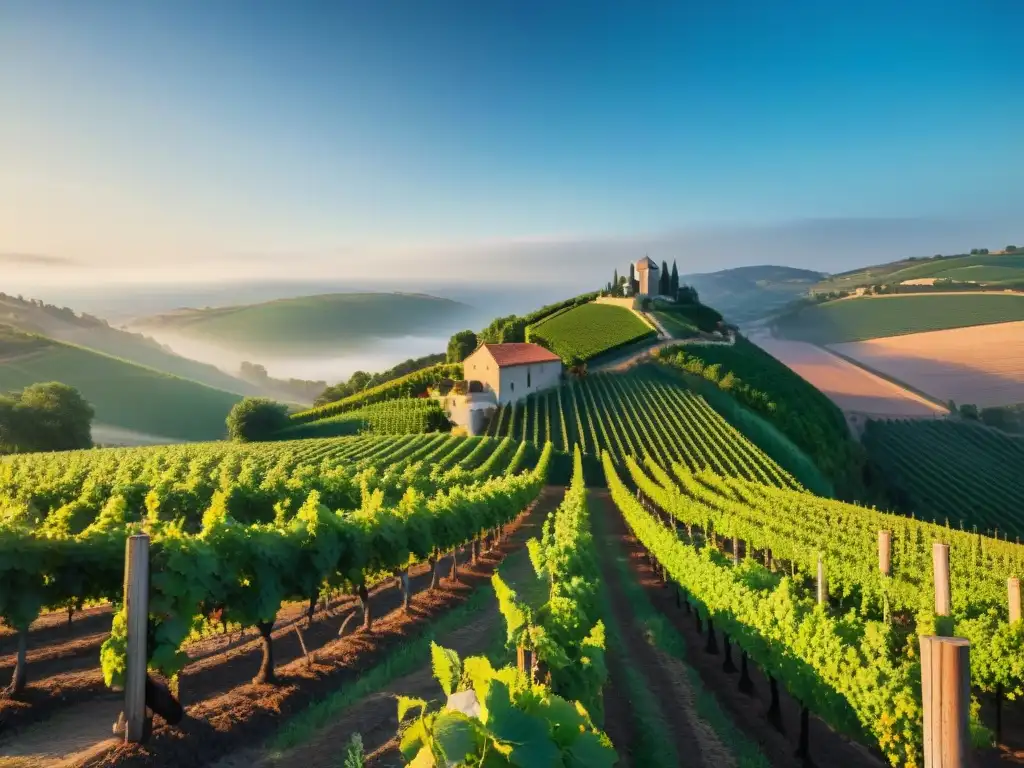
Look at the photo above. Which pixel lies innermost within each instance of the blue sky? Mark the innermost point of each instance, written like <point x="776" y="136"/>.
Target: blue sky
<point x="204" y="139"/>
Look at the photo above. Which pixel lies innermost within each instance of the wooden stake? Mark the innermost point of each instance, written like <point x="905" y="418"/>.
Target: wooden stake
<point x="524" y="661"/>
<point x="404" y="579"/>
<point x="735" y="550"/>
<point x="1013" y="589"/>
<point x="940" y="570"/>
<point x="822" y="583"/>
<point x="136" y="601"/>
<point x="946" y="700"/>
<point x="885" y="552"/>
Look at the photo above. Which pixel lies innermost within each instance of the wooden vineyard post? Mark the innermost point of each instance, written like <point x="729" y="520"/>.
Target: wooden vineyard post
<point x="735" y="550"/>
<point x="822" y="582"/>
<point x="136" y="602"/>
<point x="940" y="570"/>
<point x="524" y="661"/>
<point x="946" y="699"/>
<point x="885" y="552"/>
<point x="404" y="581"/>
<point x="1013" y="593"/>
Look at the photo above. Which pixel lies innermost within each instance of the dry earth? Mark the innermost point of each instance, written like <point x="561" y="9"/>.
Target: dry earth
<point x="982" y="365"/>
<point x="855" y="390"/>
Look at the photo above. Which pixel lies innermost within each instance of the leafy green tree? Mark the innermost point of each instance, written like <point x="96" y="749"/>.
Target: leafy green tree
<point x="460" y="346"/>
<point x="8" y="428"/>
<point x="256" y="418"/>
<point x="512" y="330"/>
<point x="45" y="417"/>
<point x="1010" y="248"/>
<point x="358" y="381"/>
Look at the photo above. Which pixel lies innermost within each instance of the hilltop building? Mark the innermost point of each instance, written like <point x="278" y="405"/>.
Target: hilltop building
<point x="648" y="275"/>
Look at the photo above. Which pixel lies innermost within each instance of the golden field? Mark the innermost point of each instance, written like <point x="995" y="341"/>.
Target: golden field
<point x="983" y="365"/>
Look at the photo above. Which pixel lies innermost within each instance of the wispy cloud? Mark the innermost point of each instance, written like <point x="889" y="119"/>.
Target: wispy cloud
<point x="36" y="259"/>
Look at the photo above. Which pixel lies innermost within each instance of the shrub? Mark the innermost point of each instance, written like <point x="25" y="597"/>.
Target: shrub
<point x="256" y="418"/>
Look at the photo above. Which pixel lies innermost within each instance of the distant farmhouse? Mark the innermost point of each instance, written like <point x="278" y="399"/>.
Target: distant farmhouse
<point x="498" y="374"/>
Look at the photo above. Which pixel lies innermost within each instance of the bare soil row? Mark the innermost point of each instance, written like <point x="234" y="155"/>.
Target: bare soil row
<point x="224" y="710"/>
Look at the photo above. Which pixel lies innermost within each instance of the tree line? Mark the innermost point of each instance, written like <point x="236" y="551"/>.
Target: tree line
<point x="361" y="380"/>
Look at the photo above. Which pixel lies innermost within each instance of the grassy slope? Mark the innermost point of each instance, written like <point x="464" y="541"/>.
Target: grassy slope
<point x="590" y="330"/>
<point x="952" y="470"/>
<point x="746" y="375"/>
<point x="123" y="394"/>
<point x="984" y="268"/>
<point x="308" y="322"/>
<point x="678" y="327"/>
<point x="112" y="341"/>
<point x="882" y="316"/>
<point x="748" y="293"/>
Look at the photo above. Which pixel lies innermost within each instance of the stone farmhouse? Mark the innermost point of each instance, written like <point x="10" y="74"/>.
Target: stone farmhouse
<point x="498" y="374"/>
<point x="513" y="371"/>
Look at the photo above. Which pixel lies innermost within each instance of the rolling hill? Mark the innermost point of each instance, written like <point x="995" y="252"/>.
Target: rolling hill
<point x="84" y="330"/>
<point x="990" y="269"/>
<point x="125" y="395"/>
<point x="312" y="324"/>
<point x="750" y="293"/>
<point x="590" y="330"/>
<point x="874" y="317"/>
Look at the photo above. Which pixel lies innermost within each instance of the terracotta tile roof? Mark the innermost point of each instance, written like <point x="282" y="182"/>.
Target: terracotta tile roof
<point x="520" y="354"/>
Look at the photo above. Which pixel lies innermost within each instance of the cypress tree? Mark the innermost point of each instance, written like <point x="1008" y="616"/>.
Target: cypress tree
<point x="615" y="282"/>
<point x="673" y="284"/>
<point x="663" y="280"/>
<point x="634" y="287"/>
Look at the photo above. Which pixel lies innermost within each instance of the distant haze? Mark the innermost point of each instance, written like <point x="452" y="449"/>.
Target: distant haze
<point x="378" y="355"/>
<point x="515" y="274"/>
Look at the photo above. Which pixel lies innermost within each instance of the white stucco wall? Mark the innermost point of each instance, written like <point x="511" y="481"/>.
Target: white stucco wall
<point x="518" y="381"/>
<point x="480" y="366"/>
<point x="513" y="382"/>
<point x="469" y="411"/>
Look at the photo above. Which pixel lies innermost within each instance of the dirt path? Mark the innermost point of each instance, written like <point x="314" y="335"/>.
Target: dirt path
<point x="665" y="677"/>
<point x="746" y="711"/>
<point x="64" y="671"/>
<point x="234" y="713"/>
<point x="375" y="717"/>
<point x="638" y="356"/>
<point x="650" y="317"/>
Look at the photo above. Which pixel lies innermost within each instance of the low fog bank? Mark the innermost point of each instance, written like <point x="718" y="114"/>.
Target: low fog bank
<point x="378" y="354"/>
